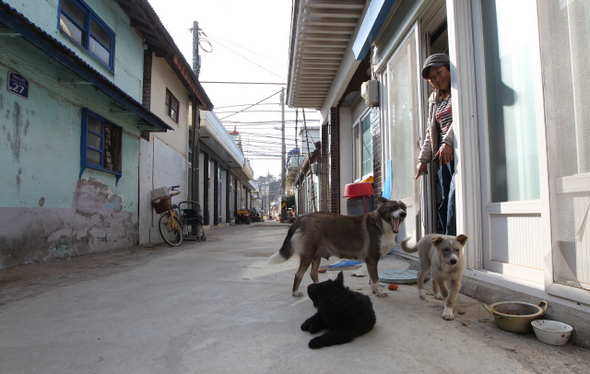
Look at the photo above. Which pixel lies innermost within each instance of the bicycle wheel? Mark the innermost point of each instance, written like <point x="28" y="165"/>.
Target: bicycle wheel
<point x="171" y="230"/>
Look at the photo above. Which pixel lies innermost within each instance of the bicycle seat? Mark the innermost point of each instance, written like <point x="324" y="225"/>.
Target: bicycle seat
<point x="174" y="206"/>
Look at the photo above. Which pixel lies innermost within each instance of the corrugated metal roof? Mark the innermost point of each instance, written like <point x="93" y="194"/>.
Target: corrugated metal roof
<point x="321" y="31"/>
<point x="38" y="37"/>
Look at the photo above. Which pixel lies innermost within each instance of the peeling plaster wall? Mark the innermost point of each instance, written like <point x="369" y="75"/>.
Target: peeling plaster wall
<point x="95" y="222"/>
<point x="47" y="211"/>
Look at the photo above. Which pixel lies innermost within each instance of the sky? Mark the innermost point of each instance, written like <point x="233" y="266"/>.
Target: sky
<point x="247" y="41"/>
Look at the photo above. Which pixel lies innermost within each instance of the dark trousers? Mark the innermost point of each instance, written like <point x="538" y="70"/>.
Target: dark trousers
<point x="446" y="210"/>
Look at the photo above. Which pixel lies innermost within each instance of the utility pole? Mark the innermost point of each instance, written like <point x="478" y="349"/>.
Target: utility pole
<point x="196" y="57"/>
<point x="268" y="195"/>
<point x="196" y="120"/>
<point x="283" y="166"/>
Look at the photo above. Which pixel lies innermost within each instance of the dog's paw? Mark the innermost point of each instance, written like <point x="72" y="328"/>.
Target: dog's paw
<point x="422" y="294"/>
<point x="377" y="290"/>
<point x="448" y="314"/>
<point x="438" y="296"/>
<point x="316" y="343"/>
<point x="297" y="294"/>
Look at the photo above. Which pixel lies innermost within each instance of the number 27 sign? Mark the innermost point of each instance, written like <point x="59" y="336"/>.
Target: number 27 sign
<point x="18" y="85"/>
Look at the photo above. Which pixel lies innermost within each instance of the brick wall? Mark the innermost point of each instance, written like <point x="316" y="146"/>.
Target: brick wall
<point x="206" y="191"/>
<point x="377" y="167"/>
<point x="227" y="196"/>
<point x="334" y="123"/>
<point x="147" y="86"/>
<point x="215" y="192"/>
<point x="325" y="172"/>
<point x="147" y="78"/>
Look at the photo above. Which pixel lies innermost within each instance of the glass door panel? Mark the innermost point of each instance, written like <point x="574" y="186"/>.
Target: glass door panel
<point x="403" y="128"/>
<point x="512" y="221"/>
<point x="565" y="52"/>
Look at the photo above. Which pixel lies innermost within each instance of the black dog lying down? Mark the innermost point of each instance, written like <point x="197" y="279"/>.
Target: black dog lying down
<point x="346" y="314"/>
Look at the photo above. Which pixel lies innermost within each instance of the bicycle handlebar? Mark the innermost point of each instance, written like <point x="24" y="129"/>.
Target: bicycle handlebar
<point x="173" y="190"/>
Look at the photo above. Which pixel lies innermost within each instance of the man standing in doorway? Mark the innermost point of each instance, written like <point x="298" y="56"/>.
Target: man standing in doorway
<point x="438" y="144"/>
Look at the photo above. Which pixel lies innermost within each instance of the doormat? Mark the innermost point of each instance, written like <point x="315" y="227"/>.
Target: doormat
<point x="398" y="276"/>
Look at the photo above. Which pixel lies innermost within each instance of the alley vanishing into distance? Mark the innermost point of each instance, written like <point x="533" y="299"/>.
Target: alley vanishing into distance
<point x="217" y="307"/>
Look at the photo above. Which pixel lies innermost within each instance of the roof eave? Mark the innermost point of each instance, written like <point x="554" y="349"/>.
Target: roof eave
<point x="70" y="60"/>
<point x="165" y="45"/>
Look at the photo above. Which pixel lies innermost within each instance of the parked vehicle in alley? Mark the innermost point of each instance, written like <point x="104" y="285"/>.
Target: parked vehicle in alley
<point x="257" y="215"/>
<point x="243" y="217"/>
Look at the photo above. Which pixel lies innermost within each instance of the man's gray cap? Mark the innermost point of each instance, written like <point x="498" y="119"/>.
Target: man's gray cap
<point x="434" y="61"/>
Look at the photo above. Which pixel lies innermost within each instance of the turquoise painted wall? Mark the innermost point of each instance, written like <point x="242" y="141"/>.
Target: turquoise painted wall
<point x="41" y="142"/>
<point x="47" y="211"/>
<point x="128" y="72"/>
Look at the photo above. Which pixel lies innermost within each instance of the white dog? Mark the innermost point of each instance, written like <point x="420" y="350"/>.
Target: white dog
<point x="443" y="254"/>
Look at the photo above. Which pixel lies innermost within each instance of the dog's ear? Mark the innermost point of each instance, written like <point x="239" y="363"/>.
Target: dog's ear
<point x="436" y="240"/>
<point x="462" y="239"/>
<point x="340" y="277"/>
<point x="381" y="199"/>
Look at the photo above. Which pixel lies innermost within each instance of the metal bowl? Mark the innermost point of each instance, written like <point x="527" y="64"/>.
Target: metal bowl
<point x="516" y="316"/>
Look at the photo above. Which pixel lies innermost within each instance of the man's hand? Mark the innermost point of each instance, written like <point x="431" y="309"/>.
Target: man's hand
<point x="422" y="169"/>
<point x="444" y="154"/>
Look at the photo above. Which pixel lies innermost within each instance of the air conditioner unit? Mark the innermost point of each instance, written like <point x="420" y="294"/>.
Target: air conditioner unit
<point x="370" y="92"/>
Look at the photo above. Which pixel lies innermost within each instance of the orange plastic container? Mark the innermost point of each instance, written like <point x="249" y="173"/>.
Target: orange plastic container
<point x="358" y="190"/>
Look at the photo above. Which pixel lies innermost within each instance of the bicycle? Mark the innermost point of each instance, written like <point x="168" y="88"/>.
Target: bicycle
<point x="175" y="219"/>
<point x="169" y="225"/>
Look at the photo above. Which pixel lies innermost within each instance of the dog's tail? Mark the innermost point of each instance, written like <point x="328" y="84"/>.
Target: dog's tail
<point x="286" y="251"/>
<point x="406" y="248"/>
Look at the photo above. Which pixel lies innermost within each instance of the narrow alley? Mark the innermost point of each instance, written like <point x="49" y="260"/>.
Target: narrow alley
<point x="217" y="307"/>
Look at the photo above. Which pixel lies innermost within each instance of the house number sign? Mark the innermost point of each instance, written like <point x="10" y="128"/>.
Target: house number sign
<point x="18" y="85"/>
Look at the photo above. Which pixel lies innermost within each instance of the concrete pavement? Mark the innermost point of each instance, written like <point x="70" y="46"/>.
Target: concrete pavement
<point x="217" y="307"/>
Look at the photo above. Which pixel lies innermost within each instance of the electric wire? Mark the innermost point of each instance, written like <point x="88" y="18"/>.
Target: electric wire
<point x="247" y="59"/>
<point x="240" y="111"/>
<point x="254" y="52"/>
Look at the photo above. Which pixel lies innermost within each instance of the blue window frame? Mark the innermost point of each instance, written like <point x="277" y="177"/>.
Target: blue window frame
<point x="80" y="23"/>
<point x="101" y="144"/>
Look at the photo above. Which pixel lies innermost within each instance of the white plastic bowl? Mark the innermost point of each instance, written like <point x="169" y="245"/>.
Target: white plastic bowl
<point x="552" y="332"/>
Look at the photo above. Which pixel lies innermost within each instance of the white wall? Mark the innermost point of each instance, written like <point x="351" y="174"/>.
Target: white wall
<point x="170" y="168"/>
<point x="163" y="77"/>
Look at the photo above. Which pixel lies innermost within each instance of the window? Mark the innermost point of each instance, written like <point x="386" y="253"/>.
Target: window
<point x="171" y="106"/>
<point x="100" y="144"/>
<point x="565" y="51"/>
<point x="81" y="24"/>
<point x="510" y="36"/>
<point x="403" y="128"/>
<point x="363" y="148"/>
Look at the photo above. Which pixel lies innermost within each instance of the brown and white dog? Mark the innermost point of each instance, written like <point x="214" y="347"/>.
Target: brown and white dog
<point x="443" y="255"/>
<point x="321" y="235"/>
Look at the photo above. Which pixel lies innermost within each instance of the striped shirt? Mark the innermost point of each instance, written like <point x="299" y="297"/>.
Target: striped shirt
<point x="444" y="117"/>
